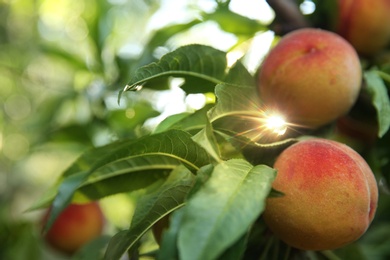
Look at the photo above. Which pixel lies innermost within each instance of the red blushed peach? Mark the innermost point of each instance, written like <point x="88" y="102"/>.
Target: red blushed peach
<point x="365" y="24"/>
<point x="77" y="225"/>
<point x="330" y="195"/>
<point x="311" y="76"/>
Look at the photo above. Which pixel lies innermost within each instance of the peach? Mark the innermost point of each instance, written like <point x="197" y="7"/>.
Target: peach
<point x="330" y="195"/>
<point x="311" y="76"/>
<point x="365" y="24"/>
<point x="77" y="225"/>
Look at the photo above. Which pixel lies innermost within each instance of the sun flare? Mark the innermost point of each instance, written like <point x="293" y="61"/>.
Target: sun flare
<point x="276" y="123"/>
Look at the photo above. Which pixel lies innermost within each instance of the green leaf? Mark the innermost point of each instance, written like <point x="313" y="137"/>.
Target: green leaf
<point x="124" y="122"/>
<point x="380" y="99"/>
<point x="233" y="100"/>
<point x="257" y="153"/>
<point x="168" y="249"/>
<point x="150" y="208"/>
<point x="64" y="197"/>
<point x="236" y="251"/>
<point x="239" y="112"/>
<point x="126" y="166"/>
<point x="223" y="209"/>
<point x="207" y="140"/>
<point x="198" y="64"/>
<point x="189" y="122"/>
<point x="93" y="249"/>
<point x="325" y="14"/>
<point x="351" y="251"/>
<point x="235" y="23"/>
<point x="171" y="121"/>
<point x="385" y="76"/>
<point x="161" y="36"/>
<point x="193" y="60"/>
<point x="375" y="242"/>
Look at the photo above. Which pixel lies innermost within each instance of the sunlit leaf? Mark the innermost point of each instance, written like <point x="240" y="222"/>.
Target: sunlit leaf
<point x="380" y="100"/>
<point x="150" y="208"/>
<point x="235" y="100"/>
<point x="224" y="208"/>
<point x="199" y="64"/>
<point x="238" y="111"/>
<point x="193" y="60"/>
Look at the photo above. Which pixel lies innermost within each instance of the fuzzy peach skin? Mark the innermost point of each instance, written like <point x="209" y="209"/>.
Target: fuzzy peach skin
<point x="365" y="24"/>
<point x="311" y="76"/>
<point x="330" y="195"/>
<point x="77" y="225"/>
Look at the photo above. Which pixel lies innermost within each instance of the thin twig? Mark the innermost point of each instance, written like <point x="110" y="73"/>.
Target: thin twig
<point x="288" y="16"/>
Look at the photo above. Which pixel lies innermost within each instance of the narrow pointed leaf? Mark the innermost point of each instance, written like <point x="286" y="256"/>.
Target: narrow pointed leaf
<point x="64" y="197"/>
<point x="207" y="140"/>
<point x="202" y="66"/>
<point x="380" y="99"/>
<point x="193" y="60"/>
<point x="223" y="209"/>
<point x="150" y="208"/>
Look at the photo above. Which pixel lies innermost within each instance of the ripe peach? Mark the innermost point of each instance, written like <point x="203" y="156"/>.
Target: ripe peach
<point x="330" y="195"/>
<point x="365" y="24"/>
<point x="77" y="225"/>
<point x="311" y="76"/>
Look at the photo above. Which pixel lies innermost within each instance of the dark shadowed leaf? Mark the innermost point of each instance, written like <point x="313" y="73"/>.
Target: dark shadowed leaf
<point x="168" y="249"/>
<point x="237" y="250"/>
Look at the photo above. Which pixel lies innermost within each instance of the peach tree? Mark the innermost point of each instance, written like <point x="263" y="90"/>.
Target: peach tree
<point x="210" y="171"/>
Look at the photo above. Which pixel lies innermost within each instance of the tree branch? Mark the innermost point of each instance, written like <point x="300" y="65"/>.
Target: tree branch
<point x="288" y="17"/>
